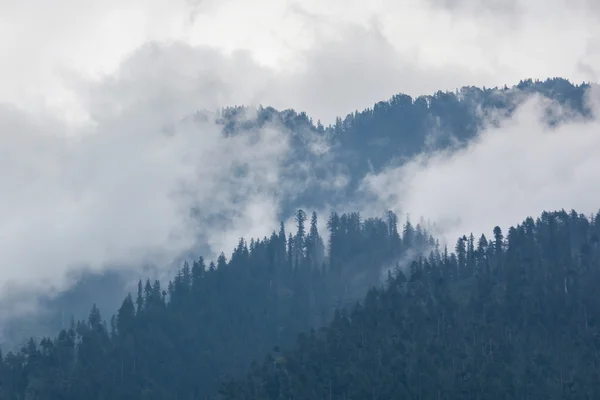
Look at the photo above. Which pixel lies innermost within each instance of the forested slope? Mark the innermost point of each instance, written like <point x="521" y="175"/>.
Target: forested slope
<point x="179" y="340"/>
<point x="514" y="318"/>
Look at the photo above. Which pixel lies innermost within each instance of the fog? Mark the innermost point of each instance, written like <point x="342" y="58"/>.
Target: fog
<point x="516" y="167"/>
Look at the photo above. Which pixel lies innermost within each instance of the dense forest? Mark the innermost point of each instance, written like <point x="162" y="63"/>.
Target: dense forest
<point x="505" y="318"/>
<point x="179" y="341"/>
<point x="509" y="317"/>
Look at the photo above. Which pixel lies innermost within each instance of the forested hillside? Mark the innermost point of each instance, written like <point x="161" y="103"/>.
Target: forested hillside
<point x="510" y="317"/>
<point x="179" y="340"/>
<point x="505" y="318"/>
<point x="513" y="317"/>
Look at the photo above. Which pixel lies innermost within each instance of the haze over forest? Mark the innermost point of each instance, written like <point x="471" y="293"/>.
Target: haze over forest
<point x="221" y="196"/>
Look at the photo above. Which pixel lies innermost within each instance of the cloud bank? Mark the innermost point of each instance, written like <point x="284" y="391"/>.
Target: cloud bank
<point x="119" y="191"/>
<point x="123" y="195"/>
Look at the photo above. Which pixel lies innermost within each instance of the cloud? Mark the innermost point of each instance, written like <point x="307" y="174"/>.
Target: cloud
<point x="119" y="191"/>
<point x="175" y="80"/>
<point x="122" y="195"/>
<point x="327" y="58"/>
<point x="510" y="171"/>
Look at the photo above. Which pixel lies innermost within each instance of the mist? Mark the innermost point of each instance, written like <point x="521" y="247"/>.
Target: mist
<point x="118" y="191"/>
<point x="541" y="157"/>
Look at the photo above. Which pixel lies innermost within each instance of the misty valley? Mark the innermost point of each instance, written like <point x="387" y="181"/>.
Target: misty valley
<point x="363" y="298"/>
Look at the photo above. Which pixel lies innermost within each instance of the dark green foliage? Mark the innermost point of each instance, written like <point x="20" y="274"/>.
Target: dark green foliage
<point x="211" y="322"/>
<point x="523" y="323"/>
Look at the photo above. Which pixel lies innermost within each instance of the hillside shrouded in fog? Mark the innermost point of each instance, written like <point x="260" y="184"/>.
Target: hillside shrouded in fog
<point x="240" y="192"/>
<point x="197" y="334"/>
<point x="240" y="171"/>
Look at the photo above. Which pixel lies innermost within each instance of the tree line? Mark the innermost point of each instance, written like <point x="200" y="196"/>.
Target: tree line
<point x="515" y="317"/>
<point x="180" y="340"/>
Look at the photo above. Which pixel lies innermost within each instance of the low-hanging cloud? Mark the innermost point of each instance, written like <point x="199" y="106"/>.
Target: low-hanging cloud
<point x="124" y="195"/>
<point x="121" y="189"/>
<point x="518" y="166"/>
<point x="145" y="177"/>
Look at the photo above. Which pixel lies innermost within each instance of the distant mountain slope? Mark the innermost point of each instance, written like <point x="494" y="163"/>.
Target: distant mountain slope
<point x="393" y="131"/>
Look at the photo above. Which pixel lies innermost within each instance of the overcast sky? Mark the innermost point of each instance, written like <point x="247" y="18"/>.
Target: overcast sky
<point x="87" y="88"/>
<point x="331" y="57"/>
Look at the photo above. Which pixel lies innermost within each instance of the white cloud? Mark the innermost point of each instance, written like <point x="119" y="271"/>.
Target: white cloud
<point x="122" y="194"/>
<point x="119" y="190"/>
<point x="517" y="169"/>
